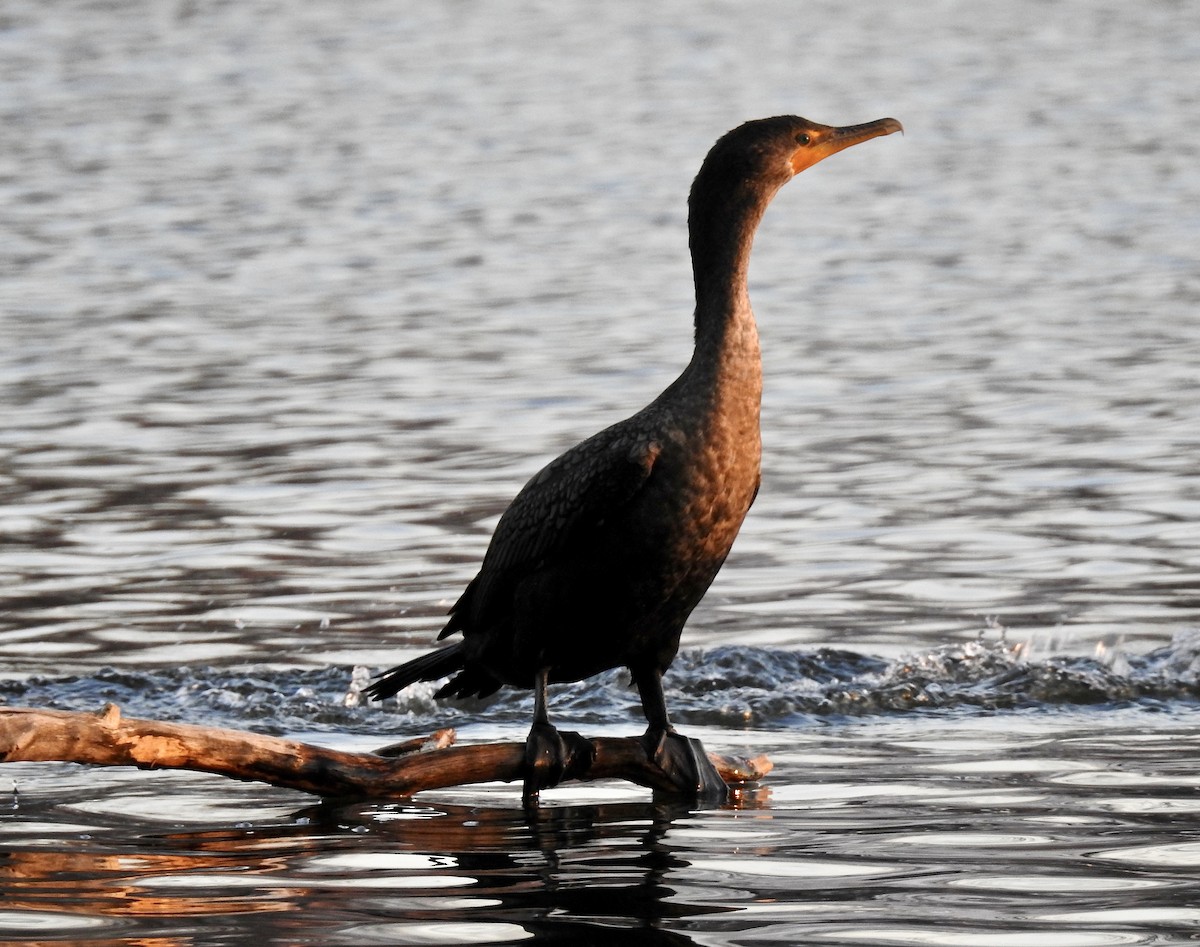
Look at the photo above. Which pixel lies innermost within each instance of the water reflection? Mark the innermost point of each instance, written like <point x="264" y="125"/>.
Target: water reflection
<point x="600" y="866"/>
<point x="868" y="835"/>
<point x="427" y="873"/>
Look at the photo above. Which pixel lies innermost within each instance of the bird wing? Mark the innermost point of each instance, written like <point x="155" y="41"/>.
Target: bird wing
<point x="568" y="496"/>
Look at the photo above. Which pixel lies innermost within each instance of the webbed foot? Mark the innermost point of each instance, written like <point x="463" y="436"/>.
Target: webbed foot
<point x="552" y="755"/>
<point x="684" y="760"/>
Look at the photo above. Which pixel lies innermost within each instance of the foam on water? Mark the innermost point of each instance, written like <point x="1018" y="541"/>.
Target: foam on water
<point x="727" y="686"/>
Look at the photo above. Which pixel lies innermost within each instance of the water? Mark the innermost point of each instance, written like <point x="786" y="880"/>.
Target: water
<point x="293" y="300"/>
<point x="1070" y="828"/>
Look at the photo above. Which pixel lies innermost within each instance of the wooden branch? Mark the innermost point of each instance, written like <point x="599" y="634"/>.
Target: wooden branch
<point x="107" y="739"/>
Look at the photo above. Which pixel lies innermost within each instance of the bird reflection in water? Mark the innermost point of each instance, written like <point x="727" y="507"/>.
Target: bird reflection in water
<point x="577" y="874"/>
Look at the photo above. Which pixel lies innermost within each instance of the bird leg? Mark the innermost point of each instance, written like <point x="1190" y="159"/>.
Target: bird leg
<point x="682" y="758"/>
<point x="551" y="755"/>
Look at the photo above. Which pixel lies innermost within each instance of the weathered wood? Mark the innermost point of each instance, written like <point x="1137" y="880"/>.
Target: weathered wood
<point x="108" y="739"/>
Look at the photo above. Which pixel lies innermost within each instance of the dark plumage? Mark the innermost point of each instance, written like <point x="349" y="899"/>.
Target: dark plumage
<point x="602" y="556"/>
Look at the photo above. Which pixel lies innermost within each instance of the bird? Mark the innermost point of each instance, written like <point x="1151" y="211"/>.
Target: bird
<point x="601" y="557"/>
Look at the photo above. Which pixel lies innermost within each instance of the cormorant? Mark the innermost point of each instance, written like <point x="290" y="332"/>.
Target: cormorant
<point x="602" y="556"/>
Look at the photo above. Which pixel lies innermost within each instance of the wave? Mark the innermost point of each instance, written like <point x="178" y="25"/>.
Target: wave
<point x="725" y="686"/>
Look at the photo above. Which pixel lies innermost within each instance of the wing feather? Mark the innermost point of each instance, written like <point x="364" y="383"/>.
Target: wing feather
<point x="559" y="505"/>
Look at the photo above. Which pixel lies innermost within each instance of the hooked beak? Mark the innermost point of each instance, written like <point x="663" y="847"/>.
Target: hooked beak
<point x="827" y="140"/>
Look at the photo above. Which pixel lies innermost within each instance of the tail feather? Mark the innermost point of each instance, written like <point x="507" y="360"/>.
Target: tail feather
<point x="428" y="667"/>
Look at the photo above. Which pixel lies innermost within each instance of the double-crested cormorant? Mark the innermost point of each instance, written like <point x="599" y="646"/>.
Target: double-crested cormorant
<point x="602" y="556"/>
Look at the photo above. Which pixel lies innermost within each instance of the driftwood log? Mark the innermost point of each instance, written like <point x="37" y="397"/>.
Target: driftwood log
<point x="108" y="739"/>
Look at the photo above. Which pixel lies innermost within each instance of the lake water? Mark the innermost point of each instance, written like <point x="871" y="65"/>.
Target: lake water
<point x="294" y="298"/>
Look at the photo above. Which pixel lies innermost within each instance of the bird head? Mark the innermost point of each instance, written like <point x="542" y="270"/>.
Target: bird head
<point x="771" y="151"/>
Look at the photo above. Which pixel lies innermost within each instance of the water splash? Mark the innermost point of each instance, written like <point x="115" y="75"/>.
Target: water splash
<point x="724" y="686"/>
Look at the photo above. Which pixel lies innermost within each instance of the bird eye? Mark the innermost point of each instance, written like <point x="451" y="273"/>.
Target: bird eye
<point x="802" y="138"/>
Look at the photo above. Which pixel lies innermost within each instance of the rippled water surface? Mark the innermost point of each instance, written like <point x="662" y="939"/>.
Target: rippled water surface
<point x="294" y="298"/>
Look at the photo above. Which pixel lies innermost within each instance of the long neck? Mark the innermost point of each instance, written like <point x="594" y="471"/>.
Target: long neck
<point x="721" y="225"/>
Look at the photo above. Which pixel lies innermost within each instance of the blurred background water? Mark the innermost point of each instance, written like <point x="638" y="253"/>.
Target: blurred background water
<point x="294" y="297"/>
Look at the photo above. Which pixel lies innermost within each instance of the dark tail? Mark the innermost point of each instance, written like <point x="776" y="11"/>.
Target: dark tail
<point x="428" y="667"/>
